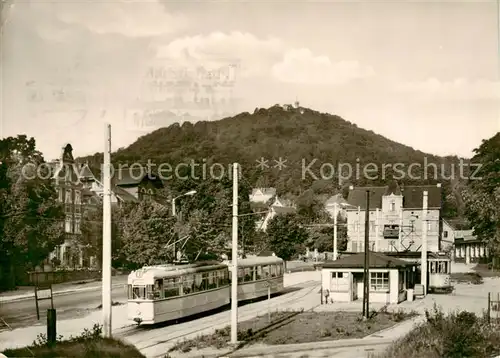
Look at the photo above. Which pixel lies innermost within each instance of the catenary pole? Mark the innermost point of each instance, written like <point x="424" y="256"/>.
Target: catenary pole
<point x="106" y="237"/>
<point x="234" y="272"/>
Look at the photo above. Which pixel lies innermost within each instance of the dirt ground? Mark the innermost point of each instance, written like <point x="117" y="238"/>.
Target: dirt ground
<point x="326" y="326"/>
<point x="301" y="328"/>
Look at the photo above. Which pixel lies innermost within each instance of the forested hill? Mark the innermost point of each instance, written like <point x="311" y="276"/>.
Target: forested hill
<point x="298" y="136"/>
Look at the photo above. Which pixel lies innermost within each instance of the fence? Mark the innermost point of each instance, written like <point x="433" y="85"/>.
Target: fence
<point x="52" y="277"/>
<point x="493" y="310"/>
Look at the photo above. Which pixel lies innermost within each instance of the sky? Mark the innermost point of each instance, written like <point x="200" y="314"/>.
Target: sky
<point x="425" y="74"/>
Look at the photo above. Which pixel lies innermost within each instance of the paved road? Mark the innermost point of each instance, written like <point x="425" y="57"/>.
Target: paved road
<point x="22" y="313"/>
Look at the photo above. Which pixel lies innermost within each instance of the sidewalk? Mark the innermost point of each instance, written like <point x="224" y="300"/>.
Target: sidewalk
<point x="27" y="292"/>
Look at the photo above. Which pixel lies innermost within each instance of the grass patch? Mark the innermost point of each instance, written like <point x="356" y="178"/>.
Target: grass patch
<point x="460" y="334"/>
<point x="303" y="327"/>
<point x="89" y="344"/>
<point x="473" y="278"/>
<point x="486" y="270"/>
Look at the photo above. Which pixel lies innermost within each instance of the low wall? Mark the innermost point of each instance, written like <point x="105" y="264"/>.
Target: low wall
<point x="53" y="277"/>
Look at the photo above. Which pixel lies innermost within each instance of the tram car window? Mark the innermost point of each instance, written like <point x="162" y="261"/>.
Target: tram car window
<point x="149" y="292"/>
<point x="258" y="273"/>
<point x="187" y="284"/>
<point x="266" y="271"/>
<point x="241" y="275"/>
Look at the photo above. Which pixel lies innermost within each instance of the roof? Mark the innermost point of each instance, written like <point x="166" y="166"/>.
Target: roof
<point x="412" y="196"/>
<point x="264" y="191"/>
<point x="259" y="260"/>
<point x="85" y="172"/>
<point x="457" y="224"/>
<point x="376" y="260"/>
<point x="159" y="271"/>
<point x="124" y="195"/>
<point x="336" y="199"/>
<point x="133" y="175"/>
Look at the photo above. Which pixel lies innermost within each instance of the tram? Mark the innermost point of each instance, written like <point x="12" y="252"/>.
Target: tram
<point x="256" y="274"/>
<point x="169" y="292"/>
<point x="439" y="269"/>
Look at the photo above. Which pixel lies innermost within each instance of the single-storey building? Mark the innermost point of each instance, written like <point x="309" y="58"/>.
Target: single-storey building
<point x="389" y="278"/>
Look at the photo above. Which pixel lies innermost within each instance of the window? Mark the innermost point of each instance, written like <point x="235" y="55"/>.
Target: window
<point x="266" y="271"/>
<point x="429" y="226"/>
<point x="273" y="270"/>
<point x="372" y="225"/>
<point x="379" y="281"/>
<point x="356" y="226"/>
<point x="354" y="246"/>
<point x="69" y="197"/>
<point x="68" y="225"/>
<point x="149" y="292"/>
<point x="445" y="234"/>
<point x="67" y="208"/>
<point x="188" y="284"/>
<point x="158" y="289"/>
<point x="78" y="198"/>
<point x="340" y="282"/>
<point x="77" y="226"/>
<point x="393" y="206"/>
<point x="138" y="292"/>
<point x="247" y="272"/>
<point x="258" y="273"/>
<point x="241" y="275"/>
<point x="212" y="282"/>
<point x="391" y="231"/>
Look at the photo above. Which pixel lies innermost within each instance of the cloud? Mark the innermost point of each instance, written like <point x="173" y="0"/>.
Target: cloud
<point x="459" y="89"/>
<point x="131" y="19"/>
<point x="302" y="66"/>
<point x="254" y="55"/>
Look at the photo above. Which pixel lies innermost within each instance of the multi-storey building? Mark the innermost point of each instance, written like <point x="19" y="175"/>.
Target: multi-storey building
<point x="69" y="187"/>
<point x="395" y="218"/>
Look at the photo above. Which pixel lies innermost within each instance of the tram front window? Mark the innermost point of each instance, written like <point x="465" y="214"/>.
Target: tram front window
<point x="138" y="292"/>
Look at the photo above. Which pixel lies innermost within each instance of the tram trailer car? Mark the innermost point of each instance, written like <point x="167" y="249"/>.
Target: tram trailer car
<point x="256" y="274"/>
<point x="163" y="293"/>
<point x="167" y="292"/>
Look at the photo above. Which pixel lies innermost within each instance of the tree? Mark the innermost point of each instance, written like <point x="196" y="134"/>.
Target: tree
<point x="482" y="195"/>
<point x="91" y="232"/>
<point x="148" y="230"/>
<point x="32" y="218"/>
<point x="286" y="236"/>
<point x="207" y="215"/>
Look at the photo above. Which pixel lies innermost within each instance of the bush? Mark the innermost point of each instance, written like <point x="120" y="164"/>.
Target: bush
<point x="88" y="344"/>
<point x="461" y="334"/>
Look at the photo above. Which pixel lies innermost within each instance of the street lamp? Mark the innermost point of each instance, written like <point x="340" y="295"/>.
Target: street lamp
<point x="189" y="193"/>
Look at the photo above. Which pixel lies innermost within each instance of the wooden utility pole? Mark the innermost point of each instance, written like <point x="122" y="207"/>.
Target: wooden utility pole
<point x="366" y="291"/>
<point x="106" y="237"/>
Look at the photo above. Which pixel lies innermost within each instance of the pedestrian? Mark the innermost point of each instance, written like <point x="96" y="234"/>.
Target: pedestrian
<point x="327" y="294"/>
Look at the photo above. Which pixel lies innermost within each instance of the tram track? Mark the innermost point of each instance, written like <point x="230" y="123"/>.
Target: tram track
<point x="152" y="337"/>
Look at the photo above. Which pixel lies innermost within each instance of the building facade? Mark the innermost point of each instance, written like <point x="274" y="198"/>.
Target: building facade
<point x="70" y="190"/>
<point x="395" y="218"/>
<point x="463" y="244"/>
<point x="390" y="278"/>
